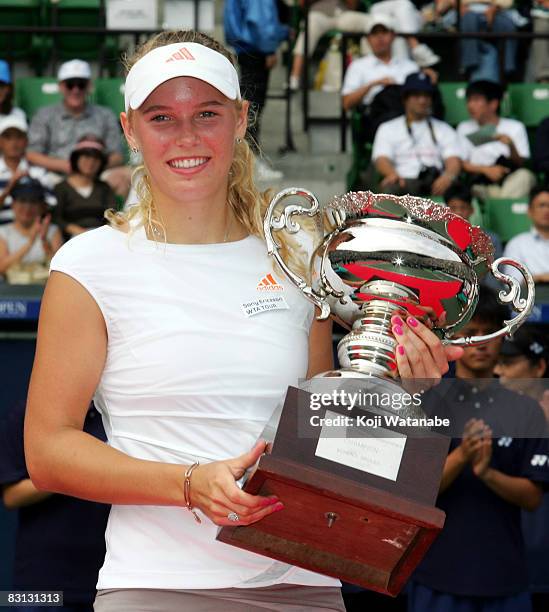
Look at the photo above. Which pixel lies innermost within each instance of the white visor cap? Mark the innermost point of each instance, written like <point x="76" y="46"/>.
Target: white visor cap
<point x="177" y="60"/>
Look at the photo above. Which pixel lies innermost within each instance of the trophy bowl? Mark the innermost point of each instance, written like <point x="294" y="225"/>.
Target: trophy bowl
<point x="384" y="255"/>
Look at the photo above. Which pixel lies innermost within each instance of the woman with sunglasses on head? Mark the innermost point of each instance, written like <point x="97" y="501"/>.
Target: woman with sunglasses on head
<point x="148" y="314"/>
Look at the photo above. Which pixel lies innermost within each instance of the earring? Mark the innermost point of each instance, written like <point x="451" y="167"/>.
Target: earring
<point x="238" y="140"/>
<point x="134" y="150"/>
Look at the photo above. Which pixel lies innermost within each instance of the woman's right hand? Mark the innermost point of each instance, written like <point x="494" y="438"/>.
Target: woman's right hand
<point x="215" y="492"/>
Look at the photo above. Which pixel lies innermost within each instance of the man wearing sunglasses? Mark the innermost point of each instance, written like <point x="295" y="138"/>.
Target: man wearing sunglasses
<point x="55" y="129"/>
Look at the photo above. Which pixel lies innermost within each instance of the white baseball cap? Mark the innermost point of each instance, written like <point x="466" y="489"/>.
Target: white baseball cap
<point x="381" y="20"/>
<point x="177" y="60"/>
<point x="13" y="121"/>
<point x="74" y="69"/>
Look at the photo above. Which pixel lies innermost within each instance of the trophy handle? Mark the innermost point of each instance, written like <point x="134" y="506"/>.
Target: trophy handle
<point x="523" y="306"/>
<point x="285" y="221"/>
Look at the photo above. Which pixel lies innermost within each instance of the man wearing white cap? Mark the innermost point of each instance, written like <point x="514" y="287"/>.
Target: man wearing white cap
<point x="368" y="75"/>
<point x="55" y="129"/>
<point x="13" y="162"/>
<point x="373" y="81"/>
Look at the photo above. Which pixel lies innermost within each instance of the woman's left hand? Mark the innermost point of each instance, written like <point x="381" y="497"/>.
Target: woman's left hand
<point x="420" y="353"/>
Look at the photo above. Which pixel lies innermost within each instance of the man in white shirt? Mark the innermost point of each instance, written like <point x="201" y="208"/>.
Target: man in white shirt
<point x="14" y="164"/>
<point x="495" y="149"/>
<point x="532" y="248"/>
<point x="416" y="153"/>
<point x="368" y="75"/>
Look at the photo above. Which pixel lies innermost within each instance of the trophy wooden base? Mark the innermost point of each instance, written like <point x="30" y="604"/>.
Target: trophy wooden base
<point x="341" y="521"/>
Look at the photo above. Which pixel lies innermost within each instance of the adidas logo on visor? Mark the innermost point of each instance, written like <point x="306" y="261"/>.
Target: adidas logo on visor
<point x="182" y="54"/>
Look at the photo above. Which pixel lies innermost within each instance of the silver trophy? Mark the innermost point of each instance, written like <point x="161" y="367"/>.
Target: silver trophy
<point x="382" y="255"/>
<point x="359" y="500"/>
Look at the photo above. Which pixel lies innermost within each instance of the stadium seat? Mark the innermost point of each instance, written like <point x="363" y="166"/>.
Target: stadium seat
<point x="32" y="48"/>
<point x="507" y="217"/>
<point x="81" y="14"/>
<point x="530" y="102"/>
<point x="110" y="92"/>
<point x="453" y="96"/>
<point x="31" y="93"/>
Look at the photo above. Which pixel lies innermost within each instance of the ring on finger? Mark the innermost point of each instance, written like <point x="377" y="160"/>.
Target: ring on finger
<point x="233" y="516"/>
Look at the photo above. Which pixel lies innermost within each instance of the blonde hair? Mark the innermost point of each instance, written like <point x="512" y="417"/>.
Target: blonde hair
<point x="246" y="201"/>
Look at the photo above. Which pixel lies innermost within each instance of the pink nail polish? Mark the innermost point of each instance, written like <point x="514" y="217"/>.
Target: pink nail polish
<point x="400" y="349"/>
<point x="398" y="330"/>
<point x="397" y="321"/>
<point x="277" y="507"/>
<point x="412" y="321"/>
<point x="269" y="501"/>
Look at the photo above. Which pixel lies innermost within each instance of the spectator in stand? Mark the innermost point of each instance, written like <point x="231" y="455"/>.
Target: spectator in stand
<point x="407" y="20"/>
<point x="6" y="94"/>
<point x="325" y="15"/>
<point x="416" y="153"/>
<point x="477" y="563"/>
<point x="540" y="154"/>
<point x="55" y="129"/>
<point x="13" y="162"/>
<point x="367" y="76"/>
<point x="522" y="364"/>
<point x="479" y="58"/>
<point x="253" y="29"/>
<point x="522" y="367"/>
<point x="373" y="82"/>
<point x="539" y="51"/>
<point x="30" y="239"/>
<point x="459" y="200"/>
<point x="532" y="248"/>
<point x="83" y="198"/>
<point x="495" y="149"/>
<point x="60" y="542"/>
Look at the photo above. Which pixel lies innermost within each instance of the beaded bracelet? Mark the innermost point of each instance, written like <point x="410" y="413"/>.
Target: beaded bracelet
<point x="187" y="491"/>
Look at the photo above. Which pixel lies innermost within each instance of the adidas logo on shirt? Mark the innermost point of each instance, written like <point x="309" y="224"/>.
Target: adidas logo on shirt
<point x="268" y="283"/>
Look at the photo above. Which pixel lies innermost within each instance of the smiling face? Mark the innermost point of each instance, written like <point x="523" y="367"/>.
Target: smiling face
<point x="186" y="131"/>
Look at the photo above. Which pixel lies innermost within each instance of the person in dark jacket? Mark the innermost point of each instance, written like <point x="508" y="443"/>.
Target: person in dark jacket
<point x="253" y="29"/>
<point x="82" y="198"/>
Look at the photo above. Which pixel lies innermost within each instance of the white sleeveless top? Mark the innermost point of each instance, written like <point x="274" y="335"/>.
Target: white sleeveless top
<point x="203" y="341"/>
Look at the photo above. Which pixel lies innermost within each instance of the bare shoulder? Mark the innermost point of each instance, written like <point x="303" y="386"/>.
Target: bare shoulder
<point x="66" y="301"/>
